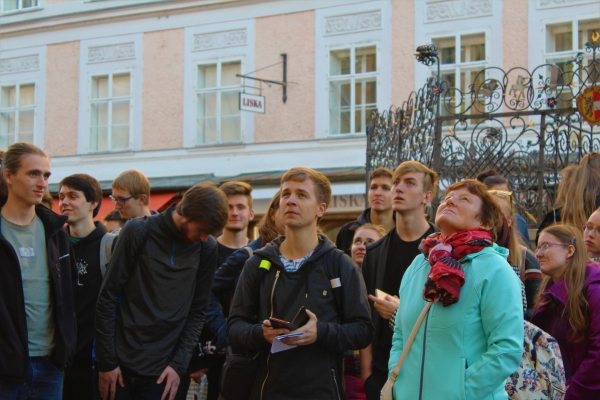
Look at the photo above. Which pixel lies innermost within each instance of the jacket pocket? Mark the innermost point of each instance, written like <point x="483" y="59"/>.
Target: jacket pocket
<point x="463" y="371"/>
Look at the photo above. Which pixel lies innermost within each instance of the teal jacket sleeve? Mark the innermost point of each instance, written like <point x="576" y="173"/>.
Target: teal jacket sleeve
<point x="502" y="322"/>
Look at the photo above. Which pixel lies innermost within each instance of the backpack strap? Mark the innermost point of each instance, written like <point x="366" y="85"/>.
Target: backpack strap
<point x="249" y="250"/>
<point x="106" y="248"/>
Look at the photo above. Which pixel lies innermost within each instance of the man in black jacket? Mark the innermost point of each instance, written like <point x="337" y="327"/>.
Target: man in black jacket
<point x="327" y="283"/>
<point x="380" y="212"/>
<point x="80" y="197"/>
<point x="153" y="300"/>
<point x="414" y="185"/>
<point x="37" y="321"/>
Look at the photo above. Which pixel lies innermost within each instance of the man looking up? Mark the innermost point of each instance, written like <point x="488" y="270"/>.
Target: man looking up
<point x="413" y="186"/>
<point x="131" y="194"/>
<point x="379" y="213"/>
<point x="301" y="269"/>
<point x="80" y="197"/>
<point x="38" y="273"/>
<point x="162" y="270"/>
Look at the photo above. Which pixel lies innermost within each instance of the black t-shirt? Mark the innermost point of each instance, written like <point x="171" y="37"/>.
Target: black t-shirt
<point x="400" y="255"/>
<point x="224" y="253"/>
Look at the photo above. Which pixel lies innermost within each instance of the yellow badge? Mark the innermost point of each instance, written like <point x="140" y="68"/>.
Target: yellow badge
<point x="265" y="265"/>
<point x="588" y="104"/>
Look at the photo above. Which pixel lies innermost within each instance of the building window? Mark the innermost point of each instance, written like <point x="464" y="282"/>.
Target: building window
<point x="17" y="111"/>
<point x="110" y="112"/>
<point x="563" y="42"/>
<point x="17" y="5"/>
<point x="218" y="118"/>
<point x="352" y="89"/>
<point x="462" y="58"/>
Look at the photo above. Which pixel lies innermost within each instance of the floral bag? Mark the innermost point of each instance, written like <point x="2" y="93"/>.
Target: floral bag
<point x="541" y="374"/>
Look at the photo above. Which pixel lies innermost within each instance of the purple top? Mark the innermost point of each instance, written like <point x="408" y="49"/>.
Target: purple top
<point x="582" y="359"/>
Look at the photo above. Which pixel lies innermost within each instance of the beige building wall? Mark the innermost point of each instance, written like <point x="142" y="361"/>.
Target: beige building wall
<point x="515" y="31"/>
<point x="293" y="34"/>
<point x="403" y="46"/>
<point x="162" y="100"/>
<point x="62" y="99"/>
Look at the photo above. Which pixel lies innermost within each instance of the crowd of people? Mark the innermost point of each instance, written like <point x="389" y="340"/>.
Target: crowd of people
<point x="143" y="304"/>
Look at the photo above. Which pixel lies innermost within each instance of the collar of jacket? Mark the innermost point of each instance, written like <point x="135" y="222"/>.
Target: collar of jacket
<point x="270" y="251"/>
<point x="559" y="291"/>
<point x="166" y="225"/>
<point x="96" y="234"/>
<point x="52" y="221"/>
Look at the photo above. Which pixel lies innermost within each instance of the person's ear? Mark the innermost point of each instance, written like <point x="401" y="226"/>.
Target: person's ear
<point x="427" y="198"/>
<point x="251" y="215"/>
<point x="570" y="251"/>
<point x="7" y="176"/>
<point x="321" y="210"/>
<point x="93" y="205"/>
<point x="142" y="199"/>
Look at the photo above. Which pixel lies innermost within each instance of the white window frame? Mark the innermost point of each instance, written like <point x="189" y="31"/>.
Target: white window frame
<point x="35" y="75"/>
<point x="20" y="7"/>
<point x="379" y="37"/>
<point x="87" y="70"/>
<point x="194" y="57"/>
<point x="218" y="89"/>
<point x="17" y="108"/>
<point x="110" y="100"/>
<point x="352" y="77"/>
<point x="552" y="56"/>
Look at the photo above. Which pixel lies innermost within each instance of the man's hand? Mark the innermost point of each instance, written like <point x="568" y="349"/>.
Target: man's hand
<point x="196" y="376"/>
<point x="385" y="307"/>
<point x="172" y="383"/>
<point x="310" y="333"/>
<point x="108" y="383"/>
<point x="269" y="333"/>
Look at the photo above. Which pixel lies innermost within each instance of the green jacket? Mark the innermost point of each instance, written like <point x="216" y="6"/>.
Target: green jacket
<point x="465" y="350"/>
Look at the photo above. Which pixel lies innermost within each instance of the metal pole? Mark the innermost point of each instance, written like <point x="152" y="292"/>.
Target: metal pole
<point x="540" y="168"/>
<point x="284" y="55"/>
<point x="367" y="168"/>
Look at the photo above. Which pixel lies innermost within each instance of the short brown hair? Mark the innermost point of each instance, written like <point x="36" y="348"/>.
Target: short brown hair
<point x="134" y="182"/>
<point x="88" y="185"/>
<point x="206" y="204"/>
<point x="490" y="214"/>
<point x="377" y="172"/>
<point x="430" y="180"/>
<point x="322" y="184"/>
<point x="267" y="227"/>
<point x="232" y="188"/>
<point x="11" y="160"/>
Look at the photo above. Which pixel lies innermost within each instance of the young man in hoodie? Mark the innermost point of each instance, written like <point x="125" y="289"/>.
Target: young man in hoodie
<point x="326" y="282"/>
<point x="80" y="197"/>
<point x="414" y="185"/>
<point x="153" y="299"/>
<point x="379" y="213"/>
<point x="37" y="277"/>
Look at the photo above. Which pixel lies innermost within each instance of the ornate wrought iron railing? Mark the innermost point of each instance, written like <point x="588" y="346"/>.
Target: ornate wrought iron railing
<point x="522" y="123"/>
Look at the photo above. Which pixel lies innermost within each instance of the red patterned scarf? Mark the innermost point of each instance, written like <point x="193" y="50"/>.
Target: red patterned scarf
<point x="446" y="276"/>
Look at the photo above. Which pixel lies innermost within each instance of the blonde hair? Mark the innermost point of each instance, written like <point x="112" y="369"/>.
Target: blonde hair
<point x="322" y="184"/>
<point x="134" y="182"/>
<point x="514" y="244"/>
<point x="577" y="306"/>
<point x="11" y="160"/>
<point x="430" y="180"/>
<point x="580" y="198"/>
<point x="377" y="228"/>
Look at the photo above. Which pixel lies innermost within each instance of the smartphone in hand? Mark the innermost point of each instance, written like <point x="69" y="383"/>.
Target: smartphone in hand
<point x="299" y="320"/>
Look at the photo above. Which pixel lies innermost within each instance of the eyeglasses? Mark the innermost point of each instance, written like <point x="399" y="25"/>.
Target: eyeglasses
<point x="119" y="200"/>
<point x="544" y="247"/>
<point x="501" y="193"/>
<point x="589" y="228"/>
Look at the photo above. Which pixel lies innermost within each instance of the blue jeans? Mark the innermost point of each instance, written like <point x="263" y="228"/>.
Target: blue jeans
<point x="44" y="382"/>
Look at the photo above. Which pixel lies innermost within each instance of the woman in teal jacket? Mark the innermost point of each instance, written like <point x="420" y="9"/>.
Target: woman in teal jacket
<point x="472" y="338"/>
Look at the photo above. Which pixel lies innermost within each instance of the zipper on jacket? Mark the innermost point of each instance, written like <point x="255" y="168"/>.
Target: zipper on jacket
<point x="337" y="389"/>
<point x="423" y="357"/>
<point x="262" y="388"/>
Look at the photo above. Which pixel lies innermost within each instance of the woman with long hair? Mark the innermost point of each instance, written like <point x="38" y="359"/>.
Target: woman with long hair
<point x="520" y="258"/>
<point x="591" y="235"/>
<point x="471" y="339"/>
<point x="568" y="307"/>
<point x="364" y="235"/>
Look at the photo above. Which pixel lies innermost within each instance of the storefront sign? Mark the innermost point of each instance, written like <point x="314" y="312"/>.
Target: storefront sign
<point x="253" y="103"/>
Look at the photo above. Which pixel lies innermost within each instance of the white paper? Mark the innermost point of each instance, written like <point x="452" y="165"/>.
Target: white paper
<point x="278" y="345"/>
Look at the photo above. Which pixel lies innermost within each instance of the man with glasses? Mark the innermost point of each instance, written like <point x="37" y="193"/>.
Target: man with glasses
<point x="591" y="235"/>
<point x="131" y="194"/>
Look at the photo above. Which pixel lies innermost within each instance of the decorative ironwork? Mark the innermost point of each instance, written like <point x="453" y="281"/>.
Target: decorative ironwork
<point x="522" y="123"/>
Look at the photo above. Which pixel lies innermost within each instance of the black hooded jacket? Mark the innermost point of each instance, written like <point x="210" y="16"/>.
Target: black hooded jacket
<point x="14" y="352"/>
<point x="89" y="281"/>
<point x="305" y="372"/>
<point x="165" y="284"/>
